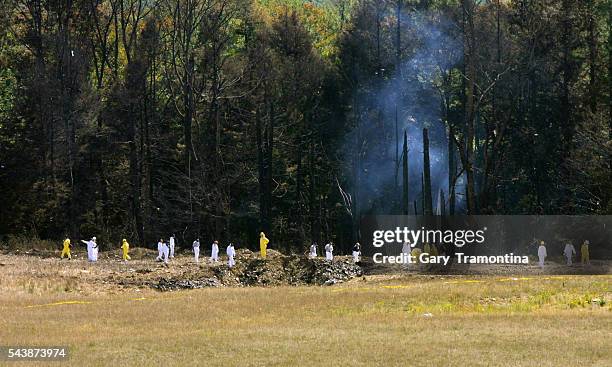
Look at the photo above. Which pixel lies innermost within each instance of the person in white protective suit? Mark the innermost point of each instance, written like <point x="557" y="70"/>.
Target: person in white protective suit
<point x="356" y="252"/>
<point x="94" y="250"/>
<point x="196" y="250"/>
<point x="230" y="255"/>
<point x="172" y="241"/>
<point x="214" y="252"/>
<point x="541" y="254"/>
<point x="569" y="252"/>
<point x="406" y="248"/>
<point x="165" y="252"/>
<point x="91" y="245"/>
<point x="329" y="251"/>
<point x="313" y="250"/>
<point x="160" y="251"/>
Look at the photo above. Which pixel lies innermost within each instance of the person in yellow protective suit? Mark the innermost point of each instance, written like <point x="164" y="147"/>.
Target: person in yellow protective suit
<point x="125" y="246"/>
<point x="416" y="255"/>
<point x="263" y="244"/>
<point x="433" y="250"/>
<point x="584" y="253"/>
<point x="66" y="249"/>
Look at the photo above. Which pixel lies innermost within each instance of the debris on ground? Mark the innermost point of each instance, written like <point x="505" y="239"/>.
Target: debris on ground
<point x="182" y="273"/>
<point x="278" y="269"/>
<point x="175" y="284"/>
<point x="110" y="272"/>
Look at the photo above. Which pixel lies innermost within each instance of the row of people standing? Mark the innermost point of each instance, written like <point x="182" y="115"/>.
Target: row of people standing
<point x="263" y="243"/>
<point x="166" y="250"/>
<point x="568" y="252"/>
<point x="329" y="251"/>
<point x="214" y="252"/>
<point x="229" y="250"/>
<point x="92" y="249"/>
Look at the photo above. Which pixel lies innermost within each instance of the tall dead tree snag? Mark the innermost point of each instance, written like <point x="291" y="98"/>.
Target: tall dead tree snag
<point x="261" y="169"/>
<point x="427" y="202"/>
<point x="452" y="172"/>
<point x="315" y="232"/>
<point x="441" y="210"/>
<point x="182" y="34"/>
<point x="405" y="201"/>
<point x="131" y="15"/>
<point x="265" y="142"/>
<point x="269" y="166"/>
<point x="468" y="8"/>
<point x="398" y="75"/>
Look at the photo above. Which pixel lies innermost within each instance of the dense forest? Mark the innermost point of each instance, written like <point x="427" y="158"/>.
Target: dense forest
<point x="221" y="118"/>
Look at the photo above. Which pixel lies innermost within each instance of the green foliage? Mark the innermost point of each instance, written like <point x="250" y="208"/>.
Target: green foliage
<point x="322" y="19"/>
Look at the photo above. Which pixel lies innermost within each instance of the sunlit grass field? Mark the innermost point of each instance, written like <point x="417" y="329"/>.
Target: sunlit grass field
<point x="377" y="320"/>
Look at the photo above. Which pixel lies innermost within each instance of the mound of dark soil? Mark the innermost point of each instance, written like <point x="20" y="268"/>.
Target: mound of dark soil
<point x="174" y="284"/>
<point x="276" y="270"/>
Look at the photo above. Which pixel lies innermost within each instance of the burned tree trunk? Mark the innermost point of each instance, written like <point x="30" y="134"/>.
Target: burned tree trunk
<point x="269" y="165"/>
<point x="405" y="202"/>
<point x="468" y="7"/>
<point x="313" y="214"/>
<point x="261" y="171"/>
<point x="452" y="171"/>
<point x="592" y="42"/>
<point x="427" y="203"/>
<point x="398" y="55"/>
<point x="298" y="197"/>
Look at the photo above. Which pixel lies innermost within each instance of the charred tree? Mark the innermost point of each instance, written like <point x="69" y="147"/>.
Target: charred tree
<point x="468" y="8"/>
<point x="452" y="172"/>
<point x="427" y="201"/>
<point x="405" y="187"/>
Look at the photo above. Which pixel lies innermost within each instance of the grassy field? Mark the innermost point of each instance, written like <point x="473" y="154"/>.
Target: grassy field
<point x="386" y="320"/>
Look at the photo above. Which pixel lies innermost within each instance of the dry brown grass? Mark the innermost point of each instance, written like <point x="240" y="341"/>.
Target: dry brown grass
<point x="477" y="321"/>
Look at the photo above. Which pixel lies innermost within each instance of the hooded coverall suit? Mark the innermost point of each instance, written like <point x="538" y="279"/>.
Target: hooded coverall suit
<point x="569" y="252"/>
<point x="584" y="253"/>
<point x="541" y="255"/>
<point x="214" y="252"/>
<point x="230" y="255"/>
<point x="313" y="251"/>
<point x="66" y="249"/>
<point x="126" y="248"/>
<point x="263" y="244"/>
<point x="172" y="246"/>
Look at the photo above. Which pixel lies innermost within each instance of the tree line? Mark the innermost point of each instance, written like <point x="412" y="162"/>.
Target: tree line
<point x="224" y="118"/>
